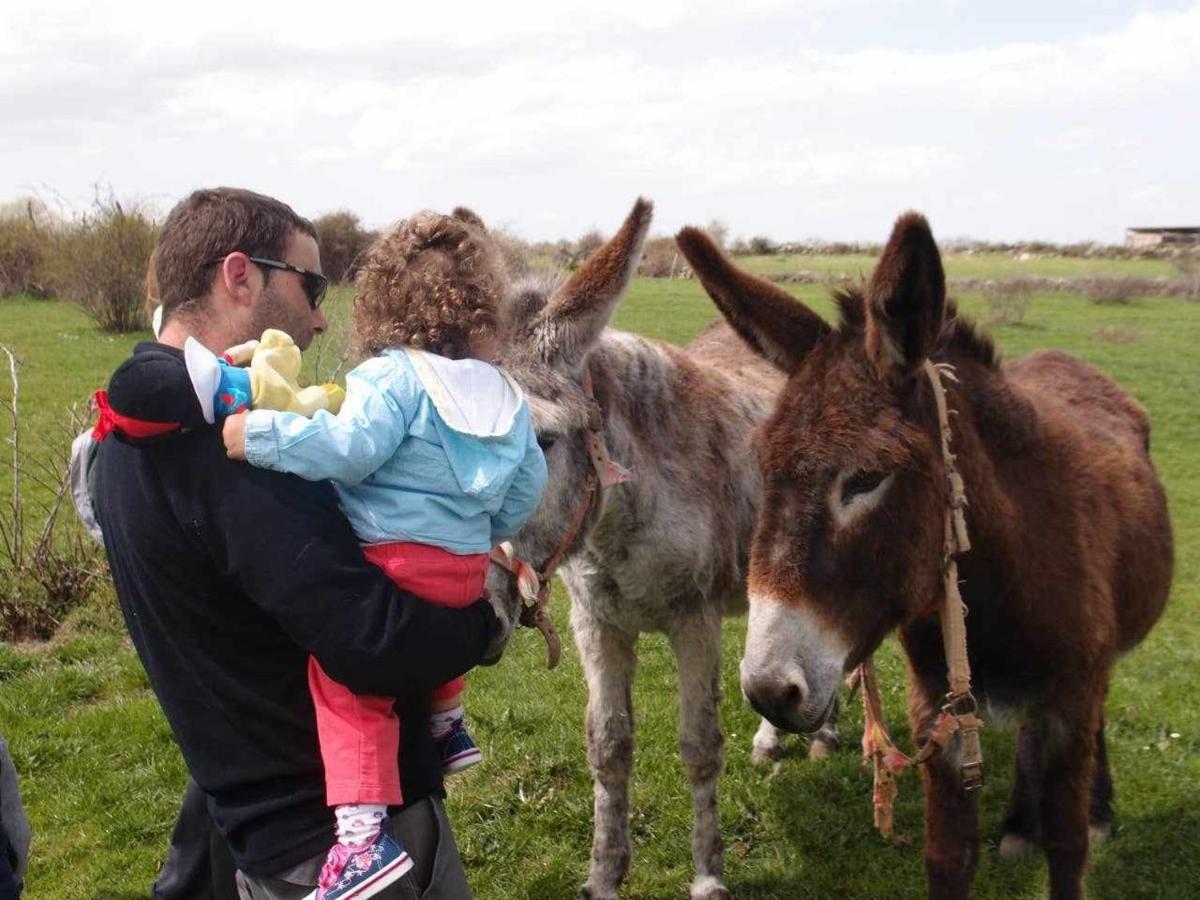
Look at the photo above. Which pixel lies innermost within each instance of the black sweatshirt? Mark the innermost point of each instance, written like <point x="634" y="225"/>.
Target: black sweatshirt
<point x="229" y="577"/>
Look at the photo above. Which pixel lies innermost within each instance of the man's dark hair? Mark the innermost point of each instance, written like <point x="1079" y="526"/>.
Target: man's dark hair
<point x="209" y="224"/>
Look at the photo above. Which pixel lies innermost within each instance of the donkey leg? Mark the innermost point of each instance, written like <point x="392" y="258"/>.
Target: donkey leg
<point x="1100" y="819"/>
<point x="608" y="665"/>
<point x="767" y="745"/>
<point x="951" y="831"/>
<point x="1066" y="794"/>
<point x="697" y="646"/>
<point x="1022" y="818"/>
<point x="951" y="813"/>
<point x="825" y="741"/>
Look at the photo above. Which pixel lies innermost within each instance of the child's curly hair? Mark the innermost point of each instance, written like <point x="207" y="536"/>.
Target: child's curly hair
<point x="433" y="282"/>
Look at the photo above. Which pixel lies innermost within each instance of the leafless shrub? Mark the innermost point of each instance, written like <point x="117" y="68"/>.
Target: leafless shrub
<point x="1188" y="268"/>
<point x="761" y="245"/>
<point x="1008" y="300"/>
<point x="520" y="257"/>
<point x="718" y="231"/>
<point x="1114" y="291"/>
<point x="661" y="259"/>
<point x="1116" y="334"/>
<point x="99" y="263"/>
<point x="49" y="568"/>
<point x="25" y="236"/>
<point x="587" y="245"/>
<point x="342" y="240"/>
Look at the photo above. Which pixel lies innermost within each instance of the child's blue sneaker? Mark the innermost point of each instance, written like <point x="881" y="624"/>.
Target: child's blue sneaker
<point x="361" y="872"/>
<point x="457" y="750"/>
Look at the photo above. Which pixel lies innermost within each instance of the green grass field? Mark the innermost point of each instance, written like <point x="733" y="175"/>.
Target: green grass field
<point x="102" y="777"/>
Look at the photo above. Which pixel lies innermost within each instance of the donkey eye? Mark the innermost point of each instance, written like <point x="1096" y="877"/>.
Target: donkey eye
<point x="861" y="483"/>
<point x="546" y="441"/>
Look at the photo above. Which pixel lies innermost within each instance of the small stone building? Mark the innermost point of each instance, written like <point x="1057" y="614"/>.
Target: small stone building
<point x="1157" y="237"/>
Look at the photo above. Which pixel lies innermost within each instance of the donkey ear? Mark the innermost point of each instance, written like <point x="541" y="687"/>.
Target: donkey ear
<point x="468" y="216"/>
<point x="775" y="324"/>
<point x="906" y="297"/>
<point x="582" y="306"/>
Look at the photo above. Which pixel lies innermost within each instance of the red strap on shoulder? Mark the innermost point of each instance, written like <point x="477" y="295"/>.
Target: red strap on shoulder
<point x="110" y="420"/>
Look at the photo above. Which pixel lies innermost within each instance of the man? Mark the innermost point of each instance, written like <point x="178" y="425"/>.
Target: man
<point x="14" y="829"/>
<point x="230" y="576"/>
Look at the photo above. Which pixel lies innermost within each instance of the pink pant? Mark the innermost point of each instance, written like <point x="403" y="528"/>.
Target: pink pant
<point x="360" y="736"/>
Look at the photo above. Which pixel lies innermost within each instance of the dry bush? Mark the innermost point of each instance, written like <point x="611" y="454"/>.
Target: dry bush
<point x="342" y="240"/>
<point x="1008" y="300"/>
<point x="98" y="262"/>
<point x="761" y="245"/>
<point x="1114" y="291"/>
<point x="587" y="245"/>
<point x="24" y="238"/>
<point x="520" y="257"/>
<point x="48" y="567"/>
<point x="1116" y="334"/>
<point x="718" y="231"/>
<point x="661" y="259"/>
<point x="1188" y="268"/>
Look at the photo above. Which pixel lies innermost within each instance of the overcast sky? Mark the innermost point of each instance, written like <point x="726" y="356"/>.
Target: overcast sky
<point x="795" y="119"/>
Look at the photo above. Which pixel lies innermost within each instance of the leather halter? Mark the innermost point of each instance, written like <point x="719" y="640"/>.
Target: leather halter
<point x="533" y="584"/>
<point x="958" y="714"/>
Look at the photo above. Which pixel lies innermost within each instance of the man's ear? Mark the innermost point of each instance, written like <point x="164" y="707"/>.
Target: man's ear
<point x="239" y="279"/>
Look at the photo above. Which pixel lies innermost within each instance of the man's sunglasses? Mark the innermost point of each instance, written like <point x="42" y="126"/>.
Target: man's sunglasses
<point x="314" y="283"/>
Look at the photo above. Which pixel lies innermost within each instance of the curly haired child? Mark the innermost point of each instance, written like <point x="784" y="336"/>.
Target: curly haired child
<point x="435" y="461"/>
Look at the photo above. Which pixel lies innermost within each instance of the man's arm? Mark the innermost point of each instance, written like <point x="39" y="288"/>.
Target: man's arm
<point x="286" y="542"/>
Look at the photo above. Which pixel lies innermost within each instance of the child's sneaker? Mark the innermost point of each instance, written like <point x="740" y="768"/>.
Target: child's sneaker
<point x="457" y="750"/>
<point x="361" y="872"/>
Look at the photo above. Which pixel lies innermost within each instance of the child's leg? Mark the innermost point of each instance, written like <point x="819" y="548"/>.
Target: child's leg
<point x="360" y="746"/>
<point x="444" y="579"/>
<point x="447" y="724"/>
<point x="448" y="696"/>
<point x="446" y="708"/>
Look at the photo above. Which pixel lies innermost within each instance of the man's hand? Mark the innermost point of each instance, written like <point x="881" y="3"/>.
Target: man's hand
<point x="234" y="434"/>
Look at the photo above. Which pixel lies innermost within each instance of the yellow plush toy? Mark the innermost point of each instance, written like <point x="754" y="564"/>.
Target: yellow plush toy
<point x="271" y="380"/>
<point x="274" y="384"/>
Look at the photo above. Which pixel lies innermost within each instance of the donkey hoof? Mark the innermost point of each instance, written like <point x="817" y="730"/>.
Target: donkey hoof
<point x="765" y="753"/>
<point x="587" y="892"/>
<point x="821" y="748"/>
<point x="709" y="887"/>
<point x="1016" y="846"/>
<point x="1099" y="832"/>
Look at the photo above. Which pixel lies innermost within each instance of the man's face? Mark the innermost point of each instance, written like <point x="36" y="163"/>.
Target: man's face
<point x="282" y="302"/>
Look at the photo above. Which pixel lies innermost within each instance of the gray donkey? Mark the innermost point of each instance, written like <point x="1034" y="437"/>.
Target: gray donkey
<point x="664" y="551"/>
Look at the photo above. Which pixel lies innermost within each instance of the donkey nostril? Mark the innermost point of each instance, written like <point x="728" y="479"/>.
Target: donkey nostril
<point x="793" y="696"/>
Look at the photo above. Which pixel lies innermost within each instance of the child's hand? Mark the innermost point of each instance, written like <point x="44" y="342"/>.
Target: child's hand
<point x="234" y="434"/>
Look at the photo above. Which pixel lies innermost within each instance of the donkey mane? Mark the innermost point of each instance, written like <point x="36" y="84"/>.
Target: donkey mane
<point x="959" y="336"/>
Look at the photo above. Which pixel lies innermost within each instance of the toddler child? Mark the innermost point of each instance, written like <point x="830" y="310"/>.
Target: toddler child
<point x="435" y="462"/>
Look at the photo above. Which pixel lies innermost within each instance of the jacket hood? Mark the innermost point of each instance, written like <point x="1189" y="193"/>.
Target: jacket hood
<point x="481" y="419"/>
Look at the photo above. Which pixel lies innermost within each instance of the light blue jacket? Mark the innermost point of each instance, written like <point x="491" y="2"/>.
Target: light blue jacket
<point x="424" y="449"/>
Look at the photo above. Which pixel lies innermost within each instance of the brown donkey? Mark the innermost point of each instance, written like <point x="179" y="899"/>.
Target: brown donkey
<point x="1071" y="551"/>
